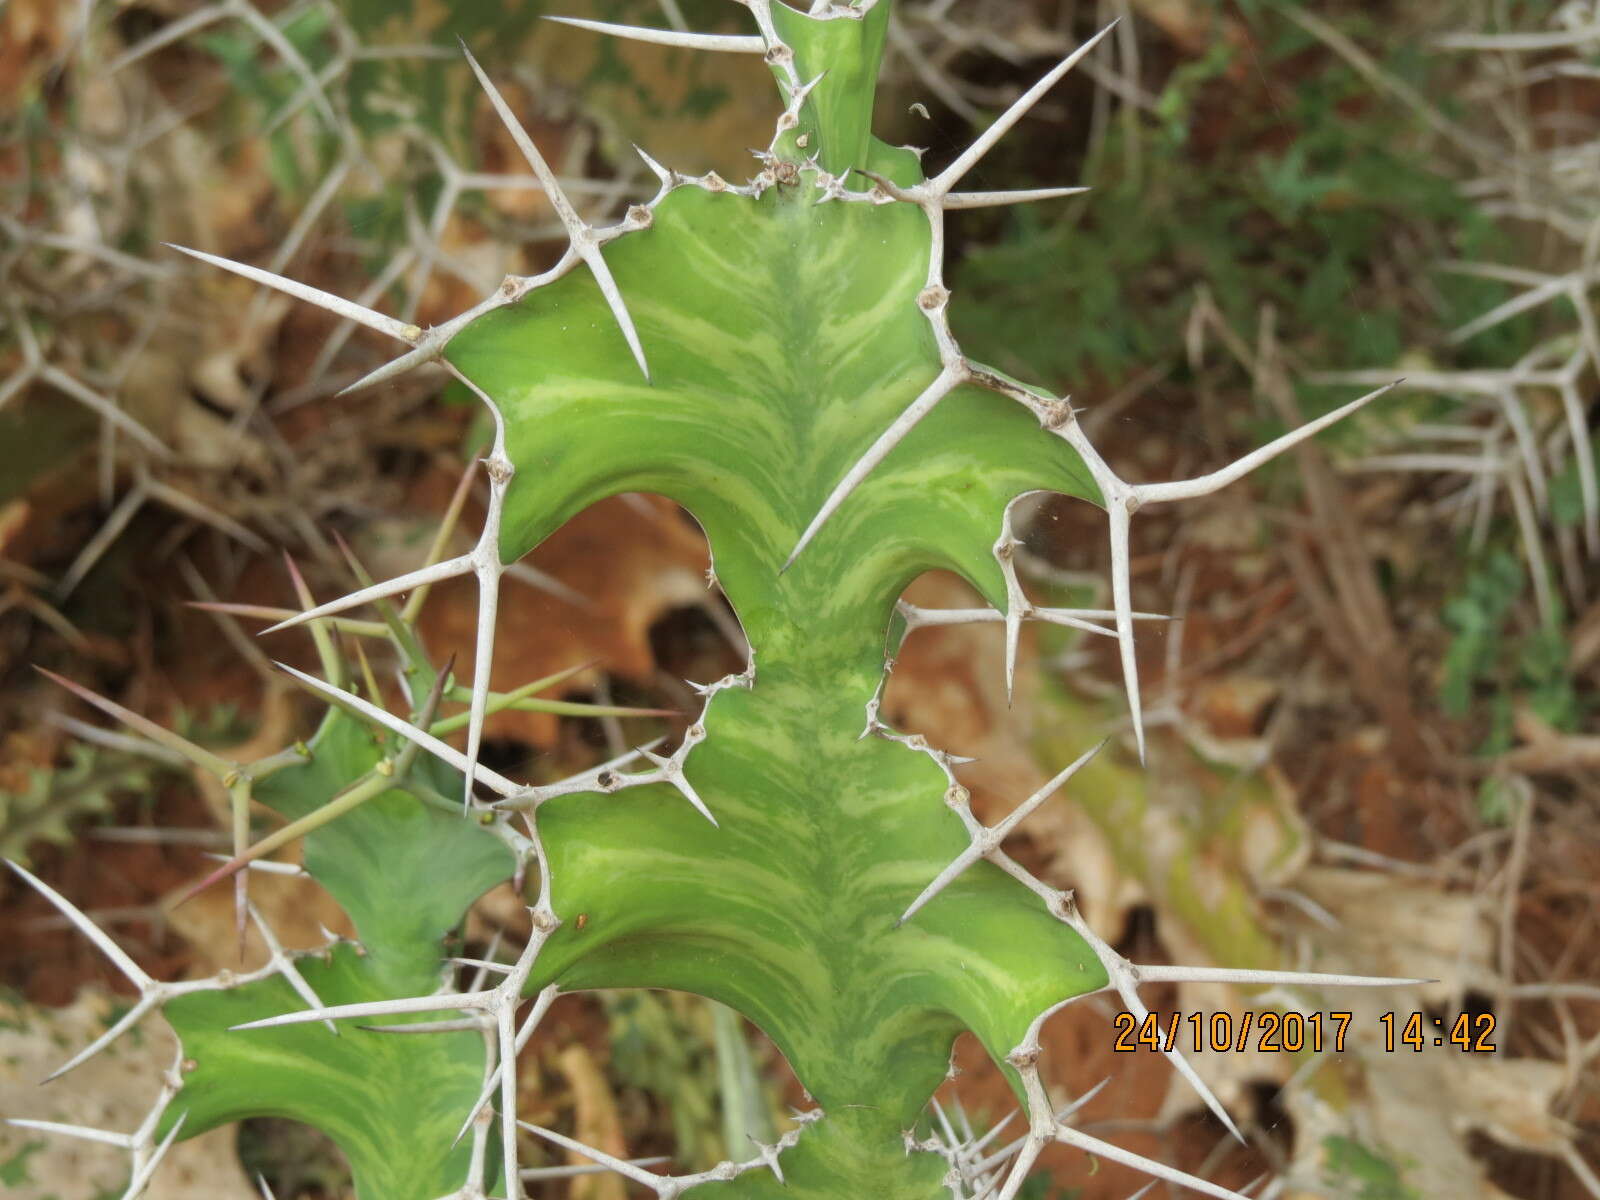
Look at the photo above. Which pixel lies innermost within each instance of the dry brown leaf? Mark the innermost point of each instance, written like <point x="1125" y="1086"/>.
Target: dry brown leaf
<point x="1418" y="1107"/>
<point x="633" y="562"/>
<point x="1390" y="926"/>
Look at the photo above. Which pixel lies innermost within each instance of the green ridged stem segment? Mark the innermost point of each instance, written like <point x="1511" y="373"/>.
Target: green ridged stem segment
<point x="783" y="336"/>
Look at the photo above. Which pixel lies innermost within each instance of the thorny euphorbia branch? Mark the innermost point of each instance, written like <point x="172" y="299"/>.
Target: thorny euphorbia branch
<point x="786" y="317"/>
<point x="667" y="1187"/>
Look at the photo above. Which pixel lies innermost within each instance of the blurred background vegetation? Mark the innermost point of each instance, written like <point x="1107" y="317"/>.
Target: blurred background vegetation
<point x="1377" y="716"/>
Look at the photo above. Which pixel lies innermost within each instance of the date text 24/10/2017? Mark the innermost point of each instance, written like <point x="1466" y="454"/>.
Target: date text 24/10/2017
<point x="1292" y="1032"/>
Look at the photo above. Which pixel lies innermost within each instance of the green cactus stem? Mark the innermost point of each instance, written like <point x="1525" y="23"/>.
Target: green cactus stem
<point x="775" y="357"/>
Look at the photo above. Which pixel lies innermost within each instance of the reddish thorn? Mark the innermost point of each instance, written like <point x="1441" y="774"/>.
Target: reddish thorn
<point x="298" y="579"/>
<point x="357" y="568"/>
<point x="77" y="689"/>
<point x="226" y="869"/>
<point x="240" y="900"/>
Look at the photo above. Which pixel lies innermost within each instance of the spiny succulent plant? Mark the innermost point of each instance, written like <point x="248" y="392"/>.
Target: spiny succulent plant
<point x="776" y="357"/>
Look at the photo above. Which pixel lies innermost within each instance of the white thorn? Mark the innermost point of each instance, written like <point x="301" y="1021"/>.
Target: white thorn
<point x="285" y="49"/>
<point x="1118" y="518"/>
<point x="1068" y="1109"/>
<point x="730" y="44"/>
<point x="1166" y="974"/>
<point x="1577" y="422"/>
<point x="1124" y="978"/>
<point x="392" y="369"/>
<point x="584" y="781"/>
<point x="993" y="1133"/>
<point x="660" y="172"/>
<point x="891" y="437"/>
<point x="1071" y="618"/>
<point x="1544" y="292"/>
<point x="1130" y="997"/>
<point x="483" y="965"/>
<point x="286" y="966"/>
<point x="951" y="175"/>
<point x="985" y="842"/>
<point x="441" y="750"/>
<point x="1028" y="806"/>
<point x="445" y="1002"/>
<point x="1206" y="484"/>
<point x="464" y="1025"/>
<point x="142" y="1177"/>
<point x="462" y="565"/>
<point x="620" y="1166"/>
<point x="582" y="237"/>
<point x="482" y="665"/>
<point x="110" y="529"/>
<point x="171" y="32"/>
<point x="335" y="304"/>
<point x="512" y="1176"/>
<point x="1556" y="39"/>
<point x="488" y="569"/>
<point x="487" y="963"/>
<point x="1138" y="1162"/>
<point x="73" y="1131"/>
<point x="971" y="854"/>
<point x="672" y="772"/>
<point x="529" y="1024"/>
<point x="1013" y="639"/>
<point x="265" y="865"/>
<point x="119" y="957"/>
<point x="578" y="1170"/>
<point x="957" y="201"/>
<point x="619" y="309"/>
<point x="1017" y="605"/>
<point x="689" y="794"/>
<point x="769" y="1155"/>
<point x="1028" y="1154"/>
